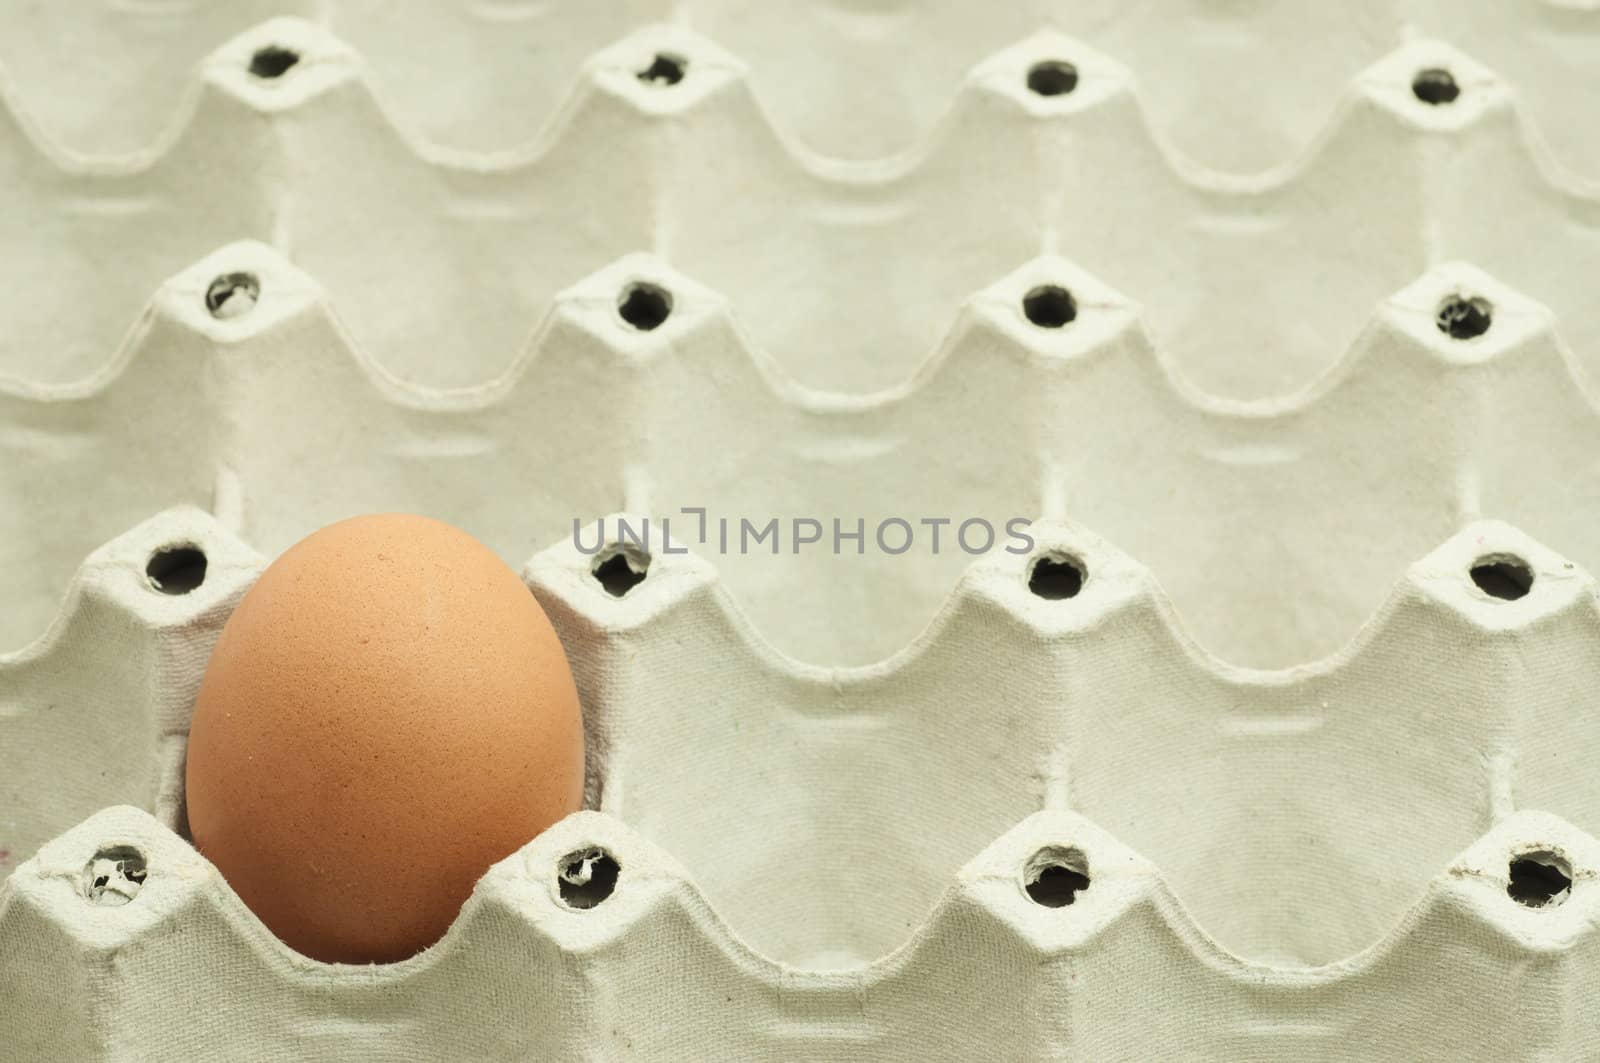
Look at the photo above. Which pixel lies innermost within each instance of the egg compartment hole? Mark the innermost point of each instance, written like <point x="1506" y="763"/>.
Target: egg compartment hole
<point x="1050" y="306"/>
<point x="232" y="295"/>
<point x="1052" y="77"/>
<point x="176" y="569"/>
<point x="1055" y="875"/>
<point x="1464" y="317"/>
<point x="665" y="69"/>
<point x="644" y="306"/>
<point x="620" y="567"/>
<point x="585" y="878"/>
<point x="1503" y="576"/>
<point x="114" y="875"/>
<point x="1054" y="576"/>
<point x="1538" y="878"/>
<point x="273" y="61"/>
<point x="1435" y="86"/>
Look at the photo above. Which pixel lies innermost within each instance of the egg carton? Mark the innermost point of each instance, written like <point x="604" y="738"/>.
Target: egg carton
<point x="1176" y="858"/>
<point x="651" y="972"/>
<point x="1239" y="86"/>
<point x="1255" y="283"/>
<point x="1276" y="525"/>
<point x="1349" y="861"/>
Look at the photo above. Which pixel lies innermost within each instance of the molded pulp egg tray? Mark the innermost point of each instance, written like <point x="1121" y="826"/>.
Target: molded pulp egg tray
<point x="1296" y="763"/>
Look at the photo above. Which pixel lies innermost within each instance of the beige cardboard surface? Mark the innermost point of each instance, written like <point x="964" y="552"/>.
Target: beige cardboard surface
<point x="453" y="256"/>
<point x="1235" y="85"/>
<point x="1301" y="738"/>
<point x="652" y="971"/>
<point x="1297" y="512"/>
<point x="881" y="782"/>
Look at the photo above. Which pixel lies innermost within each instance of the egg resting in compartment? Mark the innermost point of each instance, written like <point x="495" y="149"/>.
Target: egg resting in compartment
<point x="387" y="713"/>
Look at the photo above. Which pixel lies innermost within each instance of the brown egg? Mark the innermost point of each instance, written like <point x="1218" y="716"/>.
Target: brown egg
<point x="387" y="713"/>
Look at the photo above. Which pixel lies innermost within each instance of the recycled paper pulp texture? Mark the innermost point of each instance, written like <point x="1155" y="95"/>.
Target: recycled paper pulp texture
<point x="1318" y="446"/>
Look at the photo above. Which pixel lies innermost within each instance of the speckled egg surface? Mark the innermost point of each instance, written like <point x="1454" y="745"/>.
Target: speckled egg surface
<point x="386" y="714"/>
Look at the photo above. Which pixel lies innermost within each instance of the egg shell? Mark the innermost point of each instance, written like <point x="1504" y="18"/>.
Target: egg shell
<point x="386" y="714"/>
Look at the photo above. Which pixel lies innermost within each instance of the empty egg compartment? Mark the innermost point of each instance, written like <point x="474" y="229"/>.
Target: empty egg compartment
<point x="1063" y="679"/>
<point x="1238" y="86"/>
<point x="95" y="711"/>
<point x="844" y="804"/>
<point x="126" y="945"/>
<point x="240" y="391"/>
<point x="938" y="855"/>
<point x="1261" y="281"/>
